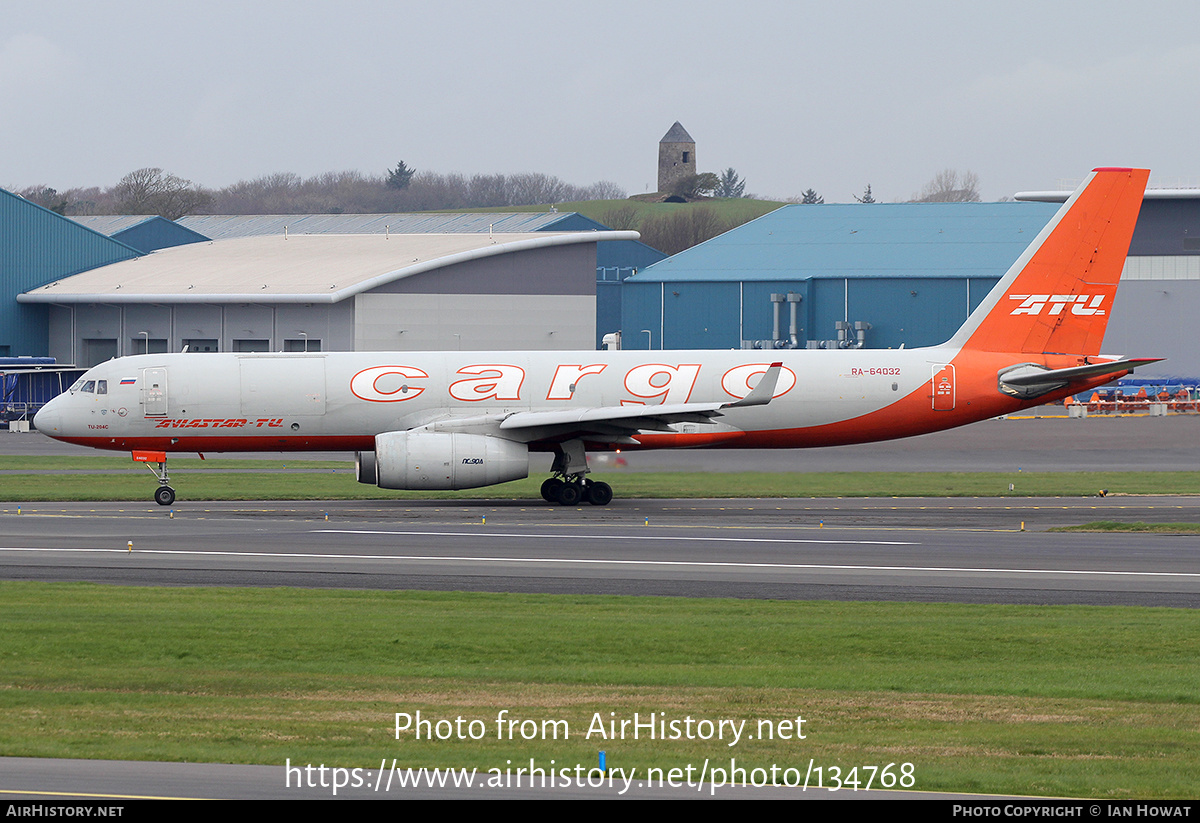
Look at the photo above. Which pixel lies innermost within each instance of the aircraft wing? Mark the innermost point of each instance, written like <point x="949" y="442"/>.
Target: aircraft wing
<point x="633" y="418"/>
<point x="625" y="416"/>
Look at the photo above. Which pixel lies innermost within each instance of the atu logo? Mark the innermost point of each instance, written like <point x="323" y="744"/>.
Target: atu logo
<point x="1081" y="304"/>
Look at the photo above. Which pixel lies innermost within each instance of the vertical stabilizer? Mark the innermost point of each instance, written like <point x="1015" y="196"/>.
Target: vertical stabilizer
<point x="1058" y="296"/>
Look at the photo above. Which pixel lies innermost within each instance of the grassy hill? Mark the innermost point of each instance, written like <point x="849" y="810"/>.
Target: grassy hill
<point x="668" y="227"/>
<point x="740" y="209"/>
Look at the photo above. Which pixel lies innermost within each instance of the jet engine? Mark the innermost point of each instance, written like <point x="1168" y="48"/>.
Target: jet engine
<point x="423" y="460"/>
<point x="364" y="468"/>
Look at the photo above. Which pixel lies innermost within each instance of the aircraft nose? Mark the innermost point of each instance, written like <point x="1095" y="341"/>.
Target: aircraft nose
<point x="48" y="419"/>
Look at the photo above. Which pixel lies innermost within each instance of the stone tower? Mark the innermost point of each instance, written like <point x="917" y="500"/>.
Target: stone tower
<point x="676" y="156"/>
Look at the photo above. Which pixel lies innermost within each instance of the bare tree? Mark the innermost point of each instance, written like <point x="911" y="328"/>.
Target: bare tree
<point x="269" y="194"/>
<point x="536" y="188"/>
<point x="89" y="200"/>
<point x="154" y="191"/>
<point x="136" y="191"/>
<point x="621" y="218"/>
<point x="429" y="190"/>
<point x="602" y="190"/>
<point x="681" y="229"/>
<point x="949" y="186"/>
<point x="46" y="197"/>
<point x="340" y="192"/>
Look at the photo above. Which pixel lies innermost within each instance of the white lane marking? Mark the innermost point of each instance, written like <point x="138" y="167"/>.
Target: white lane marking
<point x="576" y="537"/>
<point x="569" y="561"/>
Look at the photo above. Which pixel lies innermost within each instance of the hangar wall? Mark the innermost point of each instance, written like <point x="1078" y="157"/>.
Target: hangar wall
<point x="88" y="334"/>
<point x="522" y="300"/>
<point x="38" y="246"/>
<point x="491" y="322"/>
<point x="1157" y="318"/>
<point x="904" y="311"/>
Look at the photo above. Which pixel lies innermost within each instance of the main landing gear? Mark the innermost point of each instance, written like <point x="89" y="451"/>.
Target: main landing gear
<point x="164" y="495"/>
<point x="572" y="491"/>
<point x="569" y="485"/>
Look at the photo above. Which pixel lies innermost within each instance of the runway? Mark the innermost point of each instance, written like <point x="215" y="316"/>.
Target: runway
<point x="928" y="550"/>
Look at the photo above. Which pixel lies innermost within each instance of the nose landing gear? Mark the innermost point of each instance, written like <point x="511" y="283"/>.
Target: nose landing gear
<point x="164" y="495"/>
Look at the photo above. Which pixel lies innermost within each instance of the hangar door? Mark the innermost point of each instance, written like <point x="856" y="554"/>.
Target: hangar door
<point x="279" y="386"/>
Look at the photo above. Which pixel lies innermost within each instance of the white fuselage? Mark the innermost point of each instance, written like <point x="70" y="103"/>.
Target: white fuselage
<point x="284" y="402"/>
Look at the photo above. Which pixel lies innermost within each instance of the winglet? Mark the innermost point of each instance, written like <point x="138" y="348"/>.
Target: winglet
<point x="763" y="393"/>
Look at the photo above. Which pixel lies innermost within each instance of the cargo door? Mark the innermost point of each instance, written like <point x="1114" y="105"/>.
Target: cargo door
<point x="943" y="387"/>
<point x="282" y="386"/>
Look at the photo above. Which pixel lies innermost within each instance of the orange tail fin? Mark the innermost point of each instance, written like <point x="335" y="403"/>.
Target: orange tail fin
<point x="1058" y="296"/>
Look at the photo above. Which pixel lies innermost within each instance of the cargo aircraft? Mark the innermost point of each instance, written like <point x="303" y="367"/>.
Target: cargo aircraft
<point x="460" y="420"/>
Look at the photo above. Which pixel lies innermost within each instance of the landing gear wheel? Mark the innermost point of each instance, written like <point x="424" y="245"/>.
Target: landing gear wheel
<point x="164" y="495"/>
<point x="550" y="489"/>
<point x="599" y="494"/>
<point x="569" y="494"/>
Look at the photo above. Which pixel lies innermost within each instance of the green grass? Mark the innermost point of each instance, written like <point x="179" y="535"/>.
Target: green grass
<point x="1114" y="526"/>
<point x="1067" y="701"/>
<point x="314" y="480"/>
<point x="122" y="462"/>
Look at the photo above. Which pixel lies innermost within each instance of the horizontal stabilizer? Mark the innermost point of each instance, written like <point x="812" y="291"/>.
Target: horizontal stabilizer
<point x="1030" y="381"/>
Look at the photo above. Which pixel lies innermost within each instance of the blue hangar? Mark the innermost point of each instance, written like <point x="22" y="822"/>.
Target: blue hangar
<point x="903" y="274"/>
<point x="911" y="270"/>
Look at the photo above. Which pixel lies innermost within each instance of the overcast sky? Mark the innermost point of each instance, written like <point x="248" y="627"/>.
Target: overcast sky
<point x="832" y="96"/>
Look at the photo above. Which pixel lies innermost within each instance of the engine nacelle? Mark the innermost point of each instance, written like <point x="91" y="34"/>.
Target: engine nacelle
<point x="446" y="460"/>
<point x="364" y="468"/>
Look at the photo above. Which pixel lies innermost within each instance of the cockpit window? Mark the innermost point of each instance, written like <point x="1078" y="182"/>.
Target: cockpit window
<point x="77" y="385"/>
<point x="101" y="387"/>
<point x="89" y="387"/>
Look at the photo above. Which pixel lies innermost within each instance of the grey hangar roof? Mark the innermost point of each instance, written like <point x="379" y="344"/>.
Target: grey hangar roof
<point x="304" y="268"/>
<point x="221" y="227"/>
